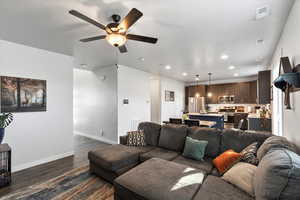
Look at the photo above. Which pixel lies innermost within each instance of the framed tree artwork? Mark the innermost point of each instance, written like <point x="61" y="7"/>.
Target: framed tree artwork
<point x="169" y="96"/>
<point x="23" y="94"/>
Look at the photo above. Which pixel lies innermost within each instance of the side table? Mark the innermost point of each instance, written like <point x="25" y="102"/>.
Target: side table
<point x="5" y="165"/>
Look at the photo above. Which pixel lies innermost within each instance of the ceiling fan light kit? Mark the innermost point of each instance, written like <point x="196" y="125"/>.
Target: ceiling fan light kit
<point x="116" y="32"/>
<point x="116" y="39"/>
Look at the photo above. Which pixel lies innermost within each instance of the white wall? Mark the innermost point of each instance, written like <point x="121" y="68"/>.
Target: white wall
<point x="172" y="109"/>
<point x="38" y="137"/>
<point x="95" y="103"/>
<point x="290" y="41"/>
<point x="133" y="85"/>
<point x="155" y="93"/>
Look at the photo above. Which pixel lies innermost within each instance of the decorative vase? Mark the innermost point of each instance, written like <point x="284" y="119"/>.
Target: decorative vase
<point x="2" y="131"/>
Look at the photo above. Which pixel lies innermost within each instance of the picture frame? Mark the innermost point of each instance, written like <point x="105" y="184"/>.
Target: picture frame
<point x="22" y="95"/>
<point x="169" y="96"/>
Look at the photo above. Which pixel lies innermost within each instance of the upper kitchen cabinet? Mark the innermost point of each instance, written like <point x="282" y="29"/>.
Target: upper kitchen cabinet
<point x="215" y="91"/>
<point x="238" y="93"/>
<point x="253" y="92"/>
<point x="242" y="93"/>
<point x="191" y="91"/>
<point x="264" y="87"/>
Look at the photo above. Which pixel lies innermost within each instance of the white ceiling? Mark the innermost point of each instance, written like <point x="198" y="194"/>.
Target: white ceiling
<point x="192" y="34"/>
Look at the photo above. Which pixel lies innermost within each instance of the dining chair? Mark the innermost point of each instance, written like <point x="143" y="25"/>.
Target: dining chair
<point x="191" y="122"/>
<point x="175" y="121"/>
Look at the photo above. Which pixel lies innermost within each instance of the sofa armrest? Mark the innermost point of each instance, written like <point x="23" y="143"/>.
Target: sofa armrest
<point x="123" y="139"/>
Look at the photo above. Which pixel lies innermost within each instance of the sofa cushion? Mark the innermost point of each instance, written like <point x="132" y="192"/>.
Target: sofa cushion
<point x="157" y="179"/>
<point x="194" y="149"/>
<point x="151" y="131"/>
<point x="118" y="156"/>
<point x="241" y="175"/>
<point x="205" y="165"/>
<point x="238" y="140"/>
<point x="274" y="142"/>
<point x="172" y="137"/>
<point x="214" y="188"/>
<point x="158" y="153"/>
<point x="278" y="176"/>
<point x="211" y="135"/>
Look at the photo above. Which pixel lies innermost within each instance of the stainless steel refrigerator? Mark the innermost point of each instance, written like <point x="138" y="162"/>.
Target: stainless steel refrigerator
<point x="196" y="105"/>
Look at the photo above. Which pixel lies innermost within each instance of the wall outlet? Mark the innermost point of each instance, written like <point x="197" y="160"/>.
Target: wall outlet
<point x="102" y="132"/>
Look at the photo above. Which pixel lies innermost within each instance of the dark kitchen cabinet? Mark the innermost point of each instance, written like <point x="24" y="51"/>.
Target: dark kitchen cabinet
<point x="260" y="124"/>
<point x="243" y="92"/>
<point x="264" y="87"/>
<point x="253" y="92"/>
<point x="191" y="91"/>
<point x="216" y="91"/>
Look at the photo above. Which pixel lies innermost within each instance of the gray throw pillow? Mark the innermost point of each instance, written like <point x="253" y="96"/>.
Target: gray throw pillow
<point x="194" y="149"/>
<point x="274" y="142"/>
<point x="151" y="131"/>
<point x="278" y="176"/>
<point x="241" y="175"/>
<point x="172" y="137"/>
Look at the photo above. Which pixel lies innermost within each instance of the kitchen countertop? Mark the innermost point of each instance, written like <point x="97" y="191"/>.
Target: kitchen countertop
<point x="257" y="116"/>
<point x="207" y="114"/>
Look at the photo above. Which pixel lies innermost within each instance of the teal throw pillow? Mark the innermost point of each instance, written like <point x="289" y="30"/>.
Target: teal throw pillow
<point x="194" y="149"/>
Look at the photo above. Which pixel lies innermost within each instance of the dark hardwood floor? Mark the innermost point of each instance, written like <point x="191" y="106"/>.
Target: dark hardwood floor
<point x="44" y="172"/>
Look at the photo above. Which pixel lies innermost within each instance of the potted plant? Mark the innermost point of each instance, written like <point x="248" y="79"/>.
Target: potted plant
<point x="5" y="120"/>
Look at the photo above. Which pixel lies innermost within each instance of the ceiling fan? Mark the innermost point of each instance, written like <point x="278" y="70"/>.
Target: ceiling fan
<point x="116" y="32"/>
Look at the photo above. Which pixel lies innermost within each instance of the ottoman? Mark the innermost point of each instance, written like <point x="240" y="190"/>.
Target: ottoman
<point x="158" y="179"/>
<point x="114" y="160"/>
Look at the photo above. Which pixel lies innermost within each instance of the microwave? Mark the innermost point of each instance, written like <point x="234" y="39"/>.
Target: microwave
<point x="226" y="99"/>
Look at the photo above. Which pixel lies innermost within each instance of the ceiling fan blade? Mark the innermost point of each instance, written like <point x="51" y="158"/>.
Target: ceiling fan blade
<point x="87" y="19"/>
<point x="130" y="19"/>
<point x="142" y="38"/>
<point x="93" y="38"/>
<point x="123" y="49"/>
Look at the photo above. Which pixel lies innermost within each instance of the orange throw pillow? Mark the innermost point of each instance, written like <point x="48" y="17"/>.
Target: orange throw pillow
<point x="226" y="160"/>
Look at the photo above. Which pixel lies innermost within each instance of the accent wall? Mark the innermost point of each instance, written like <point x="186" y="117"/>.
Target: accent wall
<point x="39" y="137"/>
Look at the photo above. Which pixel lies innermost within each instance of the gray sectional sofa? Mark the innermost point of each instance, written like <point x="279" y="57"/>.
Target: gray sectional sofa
<point x="159" y="171"/>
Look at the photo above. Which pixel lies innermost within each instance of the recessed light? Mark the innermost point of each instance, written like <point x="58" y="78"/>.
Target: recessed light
<point x="168" y="67"/>
<point x="235" y="74"/>
<point x="259" y="59"/>
<point x="262" y="12"/>
<point x="83" y="65"/>
<point x="184" y="74"/>
<point x="142" y="59"/>
<point x="231" y="67"/>
<point x="224" y="57"/>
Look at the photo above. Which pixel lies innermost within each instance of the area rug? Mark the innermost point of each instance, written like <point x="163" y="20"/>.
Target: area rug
<point x="77" y="184"/>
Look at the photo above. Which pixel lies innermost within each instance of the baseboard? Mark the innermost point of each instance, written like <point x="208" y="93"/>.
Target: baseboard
<point x="42" y="161"/>
<point x="101" y="139"/>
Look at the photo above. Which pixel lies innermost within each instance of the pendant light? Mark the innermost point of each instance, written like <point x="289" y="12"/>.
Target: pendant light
<point x="209" y="94"/>
<point x="197" y="95"/>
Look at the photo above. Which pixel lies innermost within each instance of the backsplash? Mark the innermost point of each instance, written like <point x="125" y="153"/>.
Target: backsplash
<point x="249" y="108"/>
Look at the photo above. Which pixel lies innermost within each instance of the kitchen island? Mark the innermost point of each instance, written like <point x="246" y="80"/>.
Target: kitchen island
<point x="257" y="123"/>
<point x="218" y="118"/>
